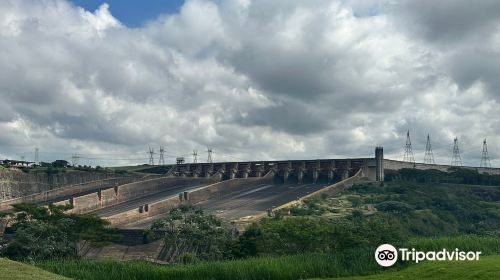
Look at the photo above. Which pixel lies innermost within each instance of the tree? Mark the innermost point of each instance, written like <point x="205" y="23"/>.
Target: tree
<point x="60" y="163"/>
<point x="48" y="232"/>
<point x="188" y="230"/>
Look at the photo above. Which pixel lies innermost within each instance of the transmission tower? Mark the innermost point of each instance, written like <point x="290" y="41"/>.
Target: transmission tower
<point x="485" y="158"/>
<point x="37" y="158"/>
<point x="209" y="151"/>
<point x="75" y="158"/>
<point x="429" y="156"/>
<point x="161" y="161"/>
<point x="195" y="156"/>
<point x="151" y="159"/>
<point x="408" y="157"/>
<point x="456" y="160"/>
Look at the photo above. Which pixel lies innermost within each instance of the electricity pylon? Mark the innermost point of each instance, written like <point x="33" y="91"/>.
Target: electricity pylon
<point x="161" y="161"/>
<point x="408" y="157"/>
<point x="429" y="155"/>
<point x="485" y="158"/>
<point x="456" y="159"/>
<point x="151" y="159"/>
<point x="195" y="156"/>
<point x="209" y="158"/>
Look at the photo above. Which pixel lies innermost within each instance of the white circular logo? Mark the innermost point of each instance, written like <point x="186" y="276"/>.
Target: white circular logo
<point x="386" y="255"/>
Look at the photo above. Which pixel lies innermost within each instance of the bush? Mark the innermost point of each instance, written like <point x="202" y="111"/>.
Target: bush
<point x="47" y="232"/>
<point x="188" y="230"/>
<point x="394" y="207"/>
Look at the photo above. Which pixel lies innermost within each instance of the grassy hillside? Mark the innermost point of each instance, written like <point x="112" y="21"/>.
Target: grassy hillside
<point x="417" y="209"/>
<point x="17" y="271"/>
<point x="277" y="268"/>
<point x="302" y="266"/>
<point x="486" y="268"/>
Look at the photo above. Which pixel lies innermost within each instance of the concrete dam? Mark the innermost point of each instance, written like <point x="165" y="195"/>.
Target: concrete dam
<point x="237" y="192"/>
<point x="231" y="190"/>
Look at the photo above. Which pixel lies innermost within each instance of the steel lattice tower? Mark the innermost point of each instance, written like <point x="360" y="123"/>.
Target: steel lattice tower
<point x="37" y="158"/>
<point x="209" y="158"/>
<point x="408" y="157"/>
<point x="485" y="158"/>
<point x="456" y="159"/>
<point x="161" y="161"/>
<point x="75" y="158"/>
<point x="195" y="156"/>
<point x="429" y="155"/>
<point x="151" y="159"/>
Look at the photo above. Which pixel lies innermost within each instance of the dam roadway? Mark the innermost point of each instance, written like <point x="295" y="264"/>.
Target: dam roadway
<point x="248" y="200"/>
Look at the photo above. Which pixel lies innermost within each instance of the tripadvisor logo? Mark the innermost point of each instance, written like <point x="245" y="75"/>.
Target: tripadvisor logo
<point x="387" y="255"/>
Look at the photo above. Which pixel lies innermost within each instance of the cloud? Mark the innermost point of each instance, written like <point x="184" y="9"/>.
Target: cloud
<point x="252" y="79"/>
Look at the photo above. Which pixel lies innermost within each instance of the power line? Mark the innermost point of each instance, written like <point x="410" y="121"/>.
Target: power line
<point x="151" y="159"/>
<point x="408" y="157"/>
<point x="485" y="158"/>
<point x="75" y="158"/>
<point x="195" y="156"/>
<point x="429" y="156"/>
<point x="37" y="157"/>
<point x="209" y="152"/>
<point x="161" y="161"/>
<point x="456" y="159"/>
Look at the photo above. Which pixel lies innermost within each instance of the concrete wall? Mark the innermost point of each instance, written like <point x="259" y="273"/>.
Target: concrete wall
<point x="52" y="195"/>
<point x="195" y="196"/>
<point x="397" y="165"/>
<point x="144" y="211"/>
<point x="15" y="183"/>
<point x="225" y="187"/>
<point x="86" y="202"/>
<point x="122" y="193"/>
<point x="142" y="188"/>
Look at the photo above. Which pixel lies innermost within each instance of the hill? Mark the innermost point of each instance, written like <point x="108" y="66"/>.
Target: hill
<point x="17" y="271"/>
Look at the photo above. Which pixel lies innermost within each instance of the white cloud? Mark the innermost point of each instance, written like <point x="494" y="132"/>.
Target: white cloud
<point x="253" y="79"/>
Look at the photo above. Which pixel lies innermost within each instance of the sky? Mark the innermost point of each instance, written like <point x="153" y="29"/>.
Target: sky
<point x="133" y="13"/>
<point x="253" y="79"/>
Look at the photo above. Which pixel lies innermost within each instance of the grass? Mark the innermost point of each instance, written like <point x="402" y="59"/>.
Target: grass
<point x="346" y="263"/>
<point x="486" y="268"/>
<point x="287" y="267"/>
<point x="487" y="245"/>
<point x="17" y="271"/>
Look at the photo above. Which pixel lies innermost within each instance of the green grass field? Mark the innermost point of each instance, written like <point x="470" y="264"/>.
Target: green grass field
<point x="17" y="271"/>
<point x="342" y="264"/>
<point x="286" y="267"/>
<point x="487" y="268"/>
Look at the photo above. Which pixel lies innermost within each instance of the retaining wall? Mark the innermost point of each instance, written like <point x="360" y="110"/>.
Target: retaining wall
<point x="144" y="211"/>
<point x="15" y="183"/>
<point x="52" y="195"/>
<point x="225" y="187"/>
<point x="122" y="193"/>
<point x="195" y="196"/>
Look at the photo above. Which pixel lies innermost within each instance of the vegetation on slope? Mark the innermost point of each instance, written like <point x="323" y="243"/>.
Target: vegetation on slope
<point x="49" y="232"/>
<point x="485" y="269"/>
<point x="308" y="265"/>
<point x="17" y="271"/>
